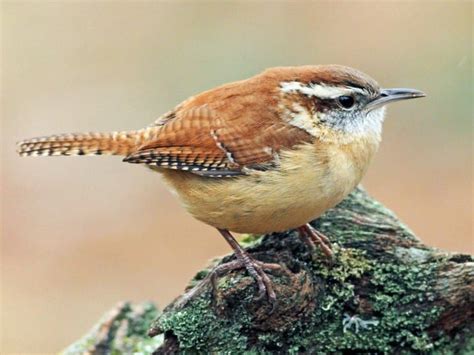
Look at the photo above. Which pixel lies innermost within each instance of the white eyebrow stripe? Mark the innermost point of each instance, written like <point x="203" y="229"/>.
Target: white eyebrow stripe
<point x="319" y="90"/>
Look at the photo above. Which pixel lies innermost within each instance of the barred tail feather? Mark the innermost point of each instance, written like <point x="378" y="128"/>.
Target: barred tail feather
<point x="113" y="143"/>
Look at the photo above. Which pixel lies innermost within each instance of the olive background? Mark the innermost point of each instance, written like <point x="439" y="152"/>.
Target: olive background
<point x="80" y="234"/>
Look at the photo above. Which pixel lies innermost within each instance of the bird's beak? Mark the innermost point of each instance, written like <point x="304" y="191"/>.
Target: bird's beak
<point x="392" y="95"/>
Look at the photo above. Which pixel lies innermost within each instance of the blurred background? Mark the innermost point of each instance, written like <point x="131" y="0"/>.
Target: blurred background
<point x="80" y="234"/>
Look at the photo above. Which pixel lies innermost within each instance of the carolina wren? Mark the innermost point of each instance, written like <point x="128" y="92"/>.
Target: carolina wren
<point x="261" y="155"/>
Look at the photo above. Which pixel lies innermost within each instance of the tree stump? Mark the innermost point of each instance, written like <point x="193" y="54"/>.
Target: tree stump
<point x="384" y="292"/>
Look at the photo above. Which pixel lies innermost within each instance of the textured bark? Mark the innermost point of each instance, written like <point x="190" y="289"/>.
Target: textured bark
<point x="384" y="292"/>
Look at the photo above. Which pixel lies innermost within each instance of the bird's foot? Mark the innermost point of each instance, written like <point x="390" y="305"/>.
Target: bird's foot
<point x="255" y="268"/>
<point x="315" y="239"/>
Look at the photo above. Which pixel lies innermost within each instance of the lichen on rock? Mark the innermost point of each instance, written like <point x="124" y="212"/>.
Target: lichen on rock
<point x="383" y="292"/>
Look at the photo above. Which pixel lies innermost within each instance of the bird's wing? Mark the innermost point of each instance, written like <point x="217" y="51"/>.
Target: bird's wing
<point x="210" y="143"/>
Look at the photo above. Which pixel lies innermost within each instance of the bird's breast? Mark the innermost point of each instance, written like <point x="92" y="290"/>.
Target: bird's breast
<point x="309" y="180"/>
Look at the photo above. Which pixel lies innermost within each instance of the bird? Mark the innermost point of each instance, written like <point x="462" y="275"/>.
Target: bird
<point x="266" y="154"/>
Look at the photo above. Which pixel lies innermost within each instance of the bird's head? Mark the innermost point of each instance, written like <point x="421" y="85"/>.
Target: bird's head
<point x="335" y="102"/>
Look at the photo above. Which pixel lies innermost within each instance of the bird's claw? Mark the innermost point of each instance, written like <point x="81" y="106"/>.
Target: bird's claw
<point x="313" y="238"/>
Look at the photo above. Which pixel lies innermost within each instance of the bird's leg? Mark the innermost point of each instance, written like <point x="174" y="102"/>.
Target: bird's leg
<point x="254" y="268"/>
<point x="243" y="260"/>
<point x="314" y="238"/>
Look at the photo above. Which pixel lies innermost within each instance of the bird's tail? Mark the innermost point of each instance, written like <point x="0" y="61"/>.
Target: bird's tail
<point x="113" y="143"/>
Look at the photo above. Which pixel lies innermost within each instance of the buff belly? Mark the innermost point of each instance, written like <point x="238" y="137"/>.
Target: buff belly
<point x="305" y="185"/>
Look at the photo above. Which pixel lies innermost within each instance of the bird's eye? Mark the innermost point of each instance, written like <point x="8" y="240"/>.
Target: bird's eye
<point x="346" y="101"/>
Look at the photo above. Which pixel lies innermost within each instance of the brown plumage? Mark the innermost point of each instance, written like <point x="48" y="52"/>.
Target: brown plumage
<point x="260" y="155"/>
<point x="233" y="126"/>
<point x="113" y="143"/>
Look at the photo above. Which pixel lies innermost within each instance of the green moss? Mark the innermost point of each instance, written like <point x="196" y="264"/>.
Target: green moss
<point x="350" y="263"/>
<point x="398" y="286"/>
<point x="388" y="295"/>
<point x="461" y="343"/>
<point x="390" y="289"/>
<point x="322" y="331"/>
<point x="137" y="326"/>
<point x="250" y="240"/>
<point x="199" y="329"/>
<point x="381" y="280"/>
<point x="394" y="286"/>
<point x="126" y="326"/>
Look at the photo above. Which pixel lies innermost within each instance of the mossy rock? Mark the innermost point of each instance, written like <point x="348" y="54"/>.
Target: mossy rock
<point x="384" y="292"/>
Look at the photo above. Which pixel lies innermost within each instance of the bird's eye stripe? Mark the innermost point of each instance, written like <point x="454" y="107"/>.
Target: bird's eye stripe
<point x="321" y="91"/>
